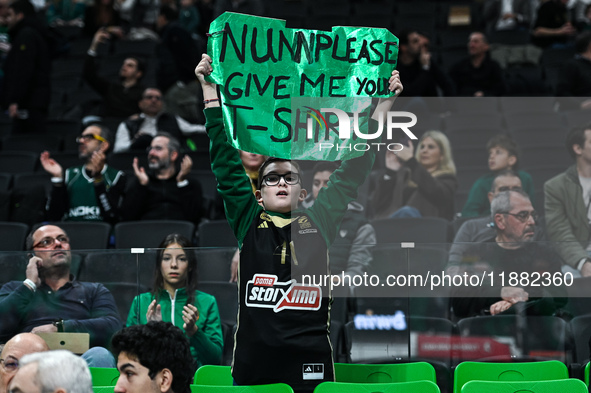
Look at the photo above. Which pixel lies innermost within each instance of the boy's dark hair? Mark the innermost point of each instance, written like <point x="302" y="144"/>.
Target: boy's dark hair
<point x="576" y="136"/>
<point x="324" y="166"/>
<point x="506" y="142"/>
<point x="582" y="42"/>
<point x="169" y="13"/>
<point x="23" y="6"/>
<point x="158" y="345"/>
<point x="271" y="160"/>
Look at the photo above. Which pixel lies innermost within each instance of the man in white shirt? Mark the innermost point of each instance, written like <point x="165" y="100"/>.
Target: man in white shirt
<point x="137" y="132"/>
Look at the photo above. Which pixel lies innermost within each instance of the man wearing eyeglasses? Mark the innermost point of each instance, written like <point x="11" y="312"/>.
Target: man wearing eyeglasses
<point x="511" y="251"/>
<point x="50" y="299"/>
<point x="137" y="132"/>
<point x="91" y="192"/>
<point x="163" y="192"/>
<point x="18" y="346"/>
<point x="481" y="229"/>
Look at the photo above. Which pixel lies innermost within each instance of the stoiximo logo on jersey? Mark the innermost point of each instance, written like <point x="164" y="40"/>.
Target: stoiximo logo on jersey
<point x="338" y="127"/>
<point x="264" y="291"/>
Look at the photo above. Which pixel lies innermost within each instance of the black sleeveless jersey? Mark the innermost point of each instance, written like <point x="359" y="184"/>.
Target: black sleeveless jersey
<point x="279" y="316"/>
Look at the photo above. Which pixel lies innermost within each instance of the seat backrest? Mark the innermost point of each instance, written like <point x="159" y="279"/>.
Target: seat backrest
<point x="270" y="388"/>
<point x="214" y="376"/>
<point x="491" y="338"/>
<point x="421" y="230"/>
<point x="149" y="233"/>
<point x="13" y="236"/>
<point x="18" y="161"/>
<point x="226" y="295"/>
<point x="561" y="385"/>
<point x="399" y="387"/>
<point x="118" y="266"/>
<point x="581" y="328"/>
<point x="216" y="234"/>
<point x="384" y="373"/>
<point x="87" y="235"/>
<point x="104" y="376"/>
<point x="527" y="371"/>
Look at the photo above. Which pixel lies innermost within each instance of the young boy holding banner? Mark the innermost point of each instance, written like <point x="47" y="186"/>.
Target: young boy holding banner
<point x="283" y="323"/>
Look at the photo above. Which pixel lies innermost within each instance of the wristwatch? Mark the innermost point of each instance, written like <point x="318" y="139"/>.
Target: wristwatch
<point x="59" y="324"/>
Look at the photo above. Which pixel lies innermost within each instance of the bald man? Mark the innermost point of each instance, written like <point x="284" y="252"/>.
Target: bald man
<point x="18" y="346"/>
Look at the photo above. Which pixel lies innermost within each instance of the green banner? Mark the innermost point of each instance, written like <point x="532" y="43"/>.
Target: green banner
<point x="261" y="65"/>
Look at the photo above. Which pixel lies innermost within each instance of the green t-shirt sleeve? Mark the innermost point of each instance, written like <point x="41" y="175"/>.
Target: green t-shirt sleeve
<point x="233" y="184"/>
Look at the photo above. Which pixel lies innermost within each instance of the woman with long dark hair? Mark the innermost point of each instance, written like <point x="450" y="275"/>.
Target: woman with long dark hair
<point x="175" y="298"/>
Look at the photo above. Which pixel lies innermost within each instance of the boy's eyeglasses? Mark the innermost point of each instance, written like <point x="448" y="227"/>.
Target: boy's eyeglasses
<point x="273" y="179"/>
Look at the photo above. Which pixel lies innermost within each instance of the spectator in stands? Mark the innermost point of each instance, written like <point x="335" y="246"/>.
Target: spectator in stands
<point x="503" y="15"/>
<point x="91" y="192"/>
<point x="251" y="7"/>
<point x="481" y="229"/>
<point x="52" y="372"/>
<point x="511" y="251"/>
<point x="65" y="13"/>
<point x="153" y="358"/>
<point x="189" y="16"/>
<point x="164" y="192"/>
<point x="422" y="76"/>
<point x="251" y="163"/>
<point x="102" y="15"/>
<point x="120" y="99"/>
<point x="575" y="78"/>
<point x="137" y="132"/>
<point x="26" y="89"/>
<point x="567" y="201"/>
<point x="18" y="346"/>
<point x="416" y="184"/>
<point x="175" y="299"/>
<point x="584" y="22"/>
<point x="51" y="299"/>
<point x="350" y="253"/>
<point x="503" y="153"/>
<point x="478" y="75"/>
<point x="552" y="26"/>
<point x="176" y="56"/>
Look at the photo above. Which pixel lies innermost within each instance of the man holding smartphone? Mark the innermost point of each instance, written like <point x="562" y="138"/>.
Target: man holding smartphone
<point x="50" y="299"/>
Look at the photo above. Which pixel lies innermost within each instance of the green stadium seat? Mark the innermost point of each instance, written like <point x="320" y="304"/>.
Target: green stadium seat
<point x="384" y="373"/>
<point x="214" y="376"/>
<point x="271" y="388"/>
<point x="560" y="385"/>
<point x="514" y="372"/>
<point x="104" y="376"/>
<point x="400" y="387"/>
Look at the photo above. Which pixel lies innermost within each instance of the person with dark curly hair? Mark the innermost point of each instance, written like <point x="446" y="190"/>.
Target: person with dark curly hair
<point x="155" y="357"/>
<point x="175" y="298"/>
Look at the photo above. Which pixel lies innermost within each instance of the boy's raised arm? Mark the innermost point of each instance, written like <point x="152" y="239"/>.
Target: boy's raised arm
<point x="233" y="183"/>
